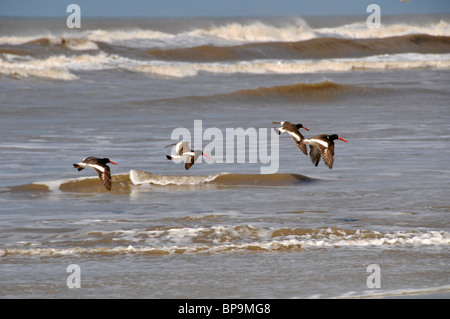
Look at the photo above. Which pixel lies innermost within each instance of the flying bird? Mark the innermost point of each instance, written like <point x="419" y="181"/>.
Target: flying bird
<point x="184" y="152"/>
<point x="293" y="130"/>
<point x="99" y="164"/>
<point x="322" y="146"/>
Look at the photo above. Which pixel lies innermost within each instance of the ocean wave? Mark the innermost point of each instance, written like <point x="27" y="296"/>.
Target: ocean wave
<point x="298" y="30"/>
<point x="360" y="30"/>
<point x="223" y="34"/>
<point x="400" y="293"/>
<point x="139" y="177"/>
<point x="224" y="239"/>
<point x="121" y="35"/>
<point x="71" y="43"/>
<point x="258" y="31"/>
<point x="374" y="63"/>
<point x="299" y="92"/>
<point x="62" y="67"/>
<point x="59" y="67"/>
<point x="318" y="48"/>
<point x="320" y="91"/>
<point x="313" y="56"/>
<point x="123" y="183"/>
<point x="230" y="33"/>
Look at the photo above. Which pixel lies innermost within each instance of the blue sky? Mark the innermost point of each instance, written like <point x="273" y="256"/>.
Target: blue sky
<point x="213" y="8"/>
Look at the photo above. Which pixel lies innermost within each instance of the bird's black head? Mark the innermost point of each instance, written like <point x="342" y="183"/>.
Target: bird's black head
<point x="299" y="126"/>
<point x="335" y="137"/>
<point x="107" y="160"/>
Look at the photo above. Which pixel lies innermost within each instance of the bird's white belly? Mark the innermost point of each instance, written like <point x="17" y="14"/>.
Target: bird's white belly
<point x="97" y="167"/>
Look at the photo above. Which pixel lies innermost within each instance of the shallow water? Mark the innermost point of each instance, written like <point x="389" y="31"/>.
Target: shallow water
<point x="222" y="229"/>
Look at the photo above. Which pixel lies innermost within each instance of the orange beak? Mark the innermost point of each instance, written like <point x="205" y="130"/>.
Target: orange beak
<point x="113" y="163"/>
<point x="206" y="155"/>
<point x="342" y="140"/>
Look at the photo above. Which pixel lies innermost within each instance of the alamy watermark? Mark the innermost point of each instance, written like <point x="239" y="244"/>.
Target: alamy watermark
<point x="374" y="19"/>
<point x="74" y="279"/>
<point x="374" y="279"/>
<point x="74" y="19"/>
<point x="237" y="145"/>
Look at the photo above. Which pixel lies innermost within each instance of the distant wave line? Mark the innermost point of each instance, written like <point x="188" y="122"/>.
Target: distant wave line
<point x="233" y="33"/>
<point x="62" y="67"/>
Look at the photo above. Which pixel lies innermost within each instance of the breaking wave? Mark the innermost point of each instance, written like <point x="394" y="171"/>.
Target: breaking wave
<point x="57" y="67"/>
<point x="318" y="48"/>
<point x="67" y="67"/>
<point x="222" y="239"/>
<point x="293" y="30"/>
<point x="375" y="63"/>
<point x="249" y="47"/>
<point x="142" y="177"/>
<point x="123" y="183"/>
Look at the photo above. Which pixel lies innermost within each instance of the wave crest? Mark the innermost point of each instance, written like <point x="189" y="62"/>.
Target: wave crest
<point x="224" y="239"/>
<point x="123" y="183"/>
<point x="139" y="177"/>
<point x="317" y="48"/>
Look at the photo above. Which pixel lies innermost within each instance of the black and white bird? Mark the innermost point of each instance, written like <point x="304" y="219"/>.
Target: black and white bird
<point x="184" y="152"/>
<point x="99" y="164"/>
<point x="322" y="146"/>
<point x="293" y="130"/>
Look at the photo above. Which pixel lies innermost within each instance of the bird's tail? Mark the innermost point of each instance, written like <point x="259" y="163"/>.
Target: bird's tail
<point x="169" y="157"/>
<point x="277" y="130"/>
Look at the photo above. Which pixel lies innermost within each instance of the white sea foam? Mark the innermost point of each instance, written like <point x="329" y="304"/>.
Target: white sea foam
<point x="123" y="35"/>
<point x="139" y="177"/>
<point x="62" y="66"/>
<point x="36" y="68"/>
<point x="231" y="33"/>
<point x="380" y="62"/>
<point x="402" y="293"/>
<point x="360" y="30"/>
<point x="69" y="42"/>
<point x="259" y="32"/>
<point x="226" y="239"/>
<point x="80" y="44"/>
<point x="59" y="67"/>
<point x="389" y="239"/>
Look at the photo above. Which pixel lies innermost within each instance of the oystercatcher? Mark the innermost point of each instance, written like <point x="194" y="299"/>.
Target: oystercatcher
<point x="184" y="152"/>
<point x="322" y="146"/>
<point x="99" y="164"/>
<point x="293" y="130"/>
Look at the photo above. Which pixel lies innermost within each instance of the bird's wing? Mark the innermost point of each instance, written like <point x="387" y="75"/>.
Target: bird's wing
<point x="328" y="155"/>
<point x="302" y="147"/>
<point x="105" y="177"/>
<point x="296" y="135"/>
<point x="190" y="160"/>
<point x="90" y="160"/>
<point x="314" y="153"/>
<point x="182" y="147"/>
